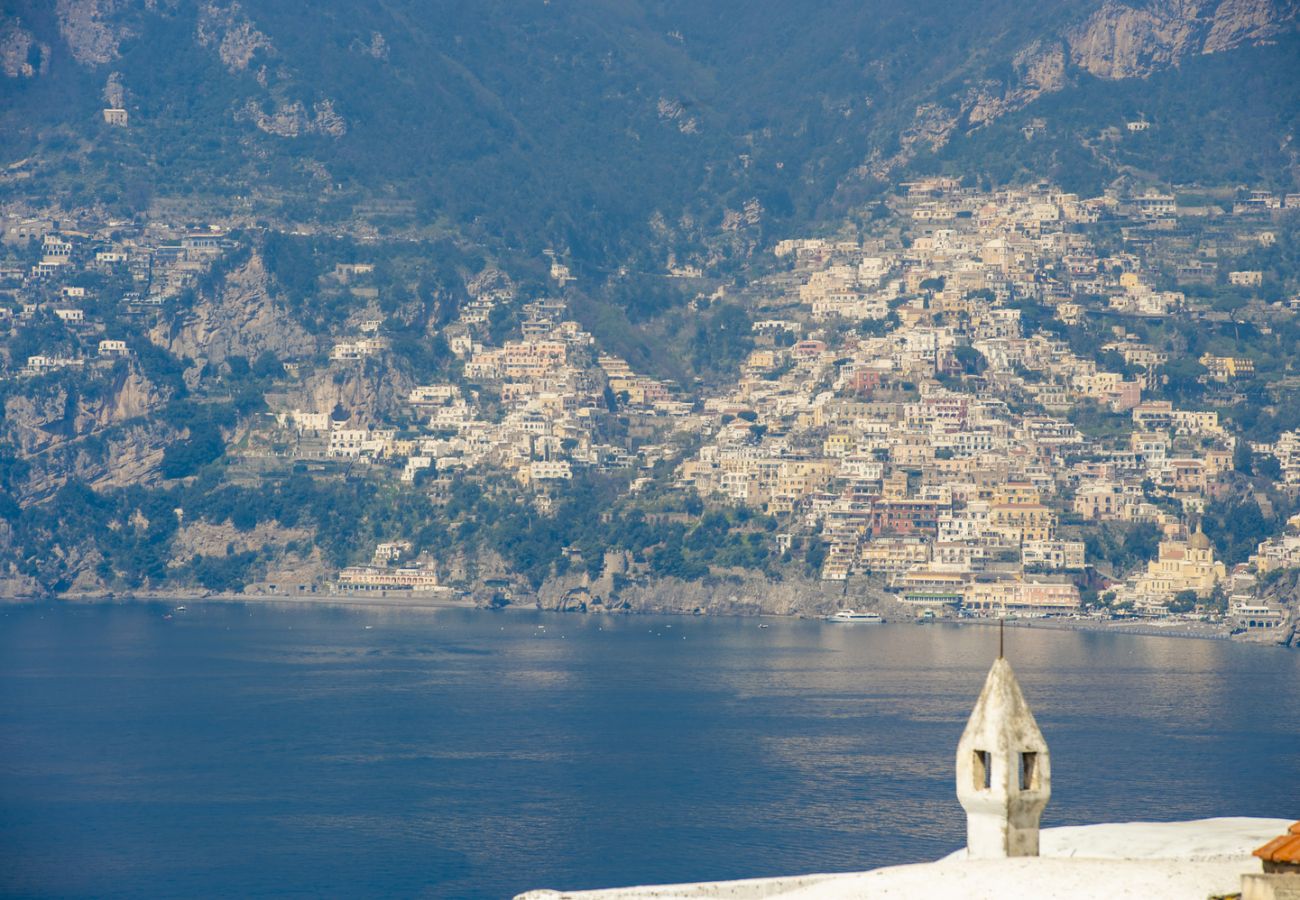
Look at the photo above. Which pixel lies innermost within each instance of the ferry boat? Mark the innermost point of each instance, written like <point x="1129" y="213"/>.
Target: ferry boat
<point x="850" y="617"/>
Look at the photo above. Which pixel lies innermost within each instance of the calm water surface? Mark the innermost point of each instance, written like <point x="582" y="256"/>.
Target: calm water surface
<point x="254" y="750"/>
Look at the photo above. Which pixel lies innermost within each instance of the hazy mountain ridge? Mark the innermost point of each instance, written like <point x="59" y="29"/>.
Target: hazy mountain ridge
<point x="1121" y="41"/>
<point x="611" y="130"/>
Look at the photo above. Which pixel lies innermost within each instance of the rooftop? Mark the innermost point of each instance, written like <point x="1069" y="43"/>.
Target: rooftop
<point x="1148" y="860"/>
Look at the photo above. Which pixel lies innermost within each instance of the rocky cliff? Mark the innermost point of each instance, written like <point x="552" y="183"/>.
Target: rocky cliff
<point x="1122" y="41"/>
<point x="21" y="54"/>
<point x="1116" y="41"/>
<point x="100" y="433"/>
<point x="238" y="317"/>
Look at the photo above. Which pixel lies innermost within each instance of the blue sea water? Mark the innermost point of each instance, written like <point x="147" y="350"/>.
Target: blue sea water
<point x="263" y="751"/>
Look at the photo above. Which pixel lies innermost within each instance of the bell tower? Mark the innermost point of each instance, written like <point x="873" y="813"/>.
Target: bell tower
<point x="1004" y="773"/>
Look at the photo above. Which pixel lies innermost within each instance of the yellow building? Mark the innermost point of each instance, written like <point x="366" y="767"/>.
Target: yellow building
<point x="1016" y="492"/>
<point x="1182" y="566"/>
<point x="1023" y="521"/>
<point x="1225" y="368"/>
<point x="839" y="444"/>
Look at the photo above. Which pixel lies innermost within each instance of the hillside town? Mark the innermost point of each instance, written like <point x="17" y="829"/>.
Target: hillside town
<point x="935" y="449"/>
<point x="943" y="405"/>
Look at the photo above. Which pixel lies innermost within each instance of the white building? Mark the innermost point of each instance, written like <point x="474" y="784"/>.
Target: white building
<point x="1004" y="772"/>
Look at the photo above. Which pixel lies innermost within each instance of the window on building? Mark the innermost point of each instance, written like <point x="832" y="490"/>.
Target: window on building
<point x="1028" y="771"/>
<point x="983" y="770"/>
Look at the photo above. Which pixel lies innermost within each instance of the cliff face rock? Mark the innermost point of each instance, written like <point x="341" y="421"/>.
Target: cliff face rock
<point x="103" y="438"/>
<point x="40" y="419"/>
<point x="291" y="119"/>
<point x="751" y="595"/>
<point x="127" y="457"/>
<point x="239" y="319"/>
<point x="21" y="55"/>
<point x="1123" y="42"/>
<point x="1116" y="41"/>
<point x="16" y="586"/>
<point x="92" y="29"/>
<point x="1120" y="41"/>
<point x="133" y="396"/>
<point x="367" y="390"/>
<point x="1238" y="22"/>
<point x="326" y="120"/>
<point x="1285" y="592"/>
<point x="291" y="571"/>
<point x="130" y="457"/>
<point x="207" y="539"/>
<point x="232" y="33"/>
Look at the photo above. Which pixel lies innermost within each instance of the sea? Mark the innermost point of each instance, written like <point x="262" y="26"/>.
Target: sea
<point x="235" y="750"/>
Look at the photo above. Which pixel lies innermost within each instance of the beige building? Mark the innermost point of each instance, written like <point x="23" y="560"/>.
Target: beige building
<point x="371" y="578"/>
<point x="1023" y="521"/>
<point x="1000" y="598"/>
<point x="1182" y="566"/>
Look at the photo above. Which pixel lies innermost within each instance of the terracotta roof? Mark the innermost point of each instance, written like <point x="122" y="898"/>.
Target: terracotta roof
<point x="1284" y="849"/>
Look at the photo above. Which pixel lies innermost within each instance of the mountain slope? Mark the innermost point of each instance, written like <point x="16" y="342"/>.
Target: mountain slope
<point x="616" y="131"/>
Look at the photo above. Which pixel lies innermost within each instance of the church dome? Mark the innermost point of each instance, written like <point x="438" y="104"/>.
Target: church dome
<point x="1199" y="541"/>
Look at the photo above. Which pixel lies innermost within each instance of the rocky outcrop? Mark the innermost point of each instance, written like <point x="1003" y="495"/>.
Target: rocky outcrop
<point x="1120" y="41"/>
<point x="674" y="111"/>
<point x="1116" y="41"/>
<point x="16" y="586"/>
<point x="1284" y="591"/>
<point x="114" y="91"/>
<point x="230" y="30"/>
<point x="367" y="391"/>
<point x="40" y="419"/>
<point x="1039" y="69"/>
<point x="129" y="456"/>
<point x="326" y="120"/>
<point x="92" y="29"/>
<point x="238" y="319"/>
<point x="753" y="594"/>
<point x="103" y="437"/>
<point x="290" y="120"/>
<point x="226" y="28"/>
<point x="21" y="55"/>
<point x="1238" y="22"/>
<point x="285" y="120"/>
<point x="491" y="281"/>
<point x="208" y="539"/>
<point x="378" y="46"/>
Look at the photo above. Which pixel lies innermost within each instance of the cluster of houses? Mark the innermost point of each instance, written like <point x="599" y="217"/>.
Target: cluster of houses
<point x="902" y="415"/>
<point x="537" y="407"/>
<point x="147" y="264"/>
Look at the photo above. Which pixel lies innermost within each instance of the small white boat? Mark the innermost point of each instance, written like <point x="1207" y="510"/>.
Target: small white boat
<point x="180" y="609"/>
<point x="850" y="617"/>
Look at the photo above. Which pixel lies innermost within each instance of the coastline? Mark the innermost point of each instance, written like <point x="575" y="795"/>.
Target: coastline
<point x="386" y="601"/>
<point x="447" y="600"/>
<point x="1141" y="627"/>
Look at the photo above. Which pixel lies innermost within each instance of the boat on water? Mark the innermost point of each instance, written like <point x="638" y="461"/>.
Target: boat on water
<point x="852" y="617"/>
<point x="180" y="609"/>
